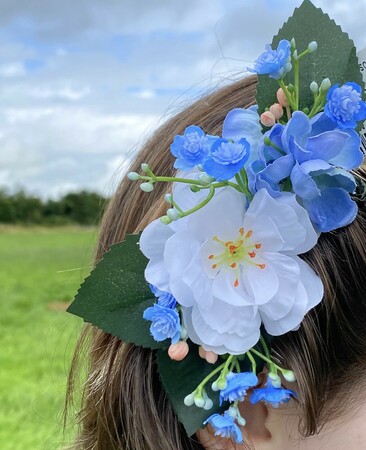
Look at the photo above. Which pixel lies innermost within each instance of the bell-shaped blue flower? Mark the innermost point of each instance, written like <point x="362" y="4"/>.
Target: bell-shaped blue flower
<point x="272" y="395"/>
<point x="345" y="106"/>
<point x="225" y="426"/>
<point x="165" y="323"/>
<point x="237" y="386"/>
<point x="164" y="298"/>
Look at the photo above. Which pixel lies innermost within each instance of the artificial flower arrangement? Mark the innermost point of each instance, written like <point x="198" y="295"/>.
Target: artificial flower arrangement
<point x="211" y="282"/>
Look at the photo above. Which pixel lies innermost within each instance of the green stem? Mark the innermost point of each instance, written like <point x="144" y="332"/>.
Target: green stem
<point x="221" y="184"/>
<point x="200" y="205"/>
<point x="172" y="180"/>
<point x="287" y="93"/>
<point x="265" y="346"/>
<point x="244" y="177"/>
<point x="252" y="360"/>
<point x="209" y="376"/>
<point x="268" y="360"/>
<point x="297" y="83"/>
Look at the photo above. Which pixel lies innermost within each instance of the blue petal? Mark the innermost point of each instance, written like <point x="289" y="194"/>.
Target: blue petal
<point x="176" y="145"/>
<point x="303" y="184"/>
<point x="183" y="164"/>
<point x="239" y="123"/>
<point x="351" y="155"/>
<point x="361" y="115"/>
<point x="194" y="129"/>
<point x="299" y="126"/>
<point x="223" y="172"/>
<point x="335" y="177"/>
<point x="333" y="209"/>
<point x="330" y="144"/>
<point x="321" y="123"/>
<point x="279" y="169"/>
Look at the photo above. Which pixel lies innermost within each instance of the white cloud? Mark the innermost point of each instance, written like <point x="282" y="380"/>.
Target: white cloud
<point x="12" y="70"/>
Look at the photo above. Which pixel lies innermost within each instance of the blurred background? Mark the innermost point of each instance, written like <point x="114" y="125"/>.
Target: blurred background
<point x="82" y="83"/>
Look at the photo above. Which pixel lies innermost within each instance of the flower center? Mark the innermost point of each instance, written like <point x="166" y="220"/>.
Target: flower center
<point x="241" y="251"/>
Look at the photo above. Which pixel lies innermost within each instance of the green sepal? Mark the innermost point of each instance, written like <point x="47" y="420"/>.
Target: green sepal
<point x="180" y="378"/>
<point x="335" y="57"/>
<point x="115" y="295"/>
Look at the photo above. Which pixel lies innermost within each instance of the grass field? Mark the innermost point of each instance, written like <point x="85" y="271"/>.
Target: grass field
<point x="37" y="278"/>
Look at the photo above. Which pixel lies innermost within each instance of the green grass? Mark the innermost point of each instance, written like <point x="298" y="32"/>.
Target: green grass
<point x="36" y="337"/>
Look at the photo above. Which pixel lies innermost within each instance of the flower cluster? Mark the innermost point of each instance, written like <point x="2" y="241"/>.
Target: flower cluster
<point x="224" y="262"/>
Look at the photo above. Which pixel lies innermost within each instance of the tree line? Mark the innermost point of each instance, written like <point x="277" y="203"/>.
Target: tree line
<point x="84" y="208"/>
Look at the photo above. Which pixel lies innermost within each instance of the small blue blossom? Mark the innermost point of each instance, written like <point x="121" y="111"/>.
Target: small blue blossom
<point x="345" y="106"/>
<point x="164" y="298"/>
<point x="310" y="157"/>
<point x="165" y="323"/>
<point x="237" y="386"/>
<point x="192" y="148"/>
<point x="227" y="158"/>
<point x="276" y="63"/>
<point x="273" y="395"/>
<point x="225" y="426"/>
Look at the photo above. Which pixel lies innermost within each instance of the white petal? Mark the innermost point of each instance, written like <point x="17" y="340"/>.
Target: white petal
<point x="157" y="275"/>
<point x="261" y="284"/>
<point x="179" y="251"/>
<point x="182" y="293"/>
<point x="265" y="232"/>
<point x="153" y="239"/>
<point x="312" y="283"/>
<point x="223" y="289"/>
<point x="288" y="272"/>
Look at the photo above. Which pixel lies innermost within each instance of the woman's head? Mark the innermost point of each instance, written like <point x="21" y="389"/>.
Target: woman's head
<point x="124" y="405"/>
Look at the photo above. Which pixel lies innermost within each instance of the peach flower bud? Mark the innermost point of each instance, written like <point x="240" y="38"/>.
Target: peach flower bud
<point x="211" y="357"/>
<point x="281" y="97"/>
<point x="277" y="110"/>
<point x="202" y="352"/>
<point x="268" y="119"/>
<point x="178" y="351"/>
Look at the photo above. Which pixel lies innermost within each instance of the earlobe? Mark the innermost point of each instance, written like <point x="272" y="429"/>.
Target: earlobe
<point x="255" y="429"/>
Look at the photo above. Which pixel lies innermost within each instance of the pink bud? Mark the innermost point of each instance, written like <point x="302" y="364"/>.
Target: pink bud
<point x="211" y="357"/>
<point x="202" y="352"/>
<point x="281" y="97"/>
<point x="268" y="119"/>
<point x="277" y="110"/>
<point x="178" y="351"/>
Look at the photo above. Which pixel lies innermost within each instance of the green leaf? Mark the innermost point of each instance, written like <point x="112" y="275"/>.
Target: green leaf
<point x="115" y="295"/>
<point x="335" y="57"/>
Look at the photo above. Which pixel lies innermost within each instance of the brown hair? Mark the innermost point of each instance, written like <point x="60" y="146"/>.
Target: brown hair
<point x="123" y="404"/>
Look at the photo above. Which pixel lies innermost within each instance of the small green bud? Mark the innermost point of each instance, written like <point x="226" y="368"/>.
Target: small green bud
<point x="293" y="43"/>
<point x="306" y="110"/>
<point x="276" y="380"/>
<point x="289" y="376"/>
<point x="206" y="179"/>
<point x="290" y="88"/>
<point x="147" y="187"/>
<point x="165" y="220"/>
<point x="221" y="384"/>
<point x="145" y="167"/>
<point x="267" y="141"/>
<point x="194" y="188"/>
<point x="314" y="87"/>
<point x="313" y="46"/>
<point x="325" y="85"/>
<point x="294" y="54"/>
<point x="189" y="399"/>
<point x="214" y="386"/>
<point x="208" y="404"/>
<point x="233" y="411"/>
<point x="173" y="214"/>
<point x="183" y="332"/>
<point x="133" y="176"/>
<point x="199" y="401"/>
<point x="168" y="198"/>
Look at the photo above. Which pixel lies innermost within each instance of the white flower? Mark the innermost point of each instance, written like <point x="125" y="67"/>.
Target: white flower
<point x="232" y="269"/>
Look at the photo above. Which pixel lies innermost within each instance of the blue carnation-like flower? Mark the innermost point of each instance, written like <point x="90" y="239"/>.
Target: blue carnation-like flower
<point x="272" y="395"/>
<point x="225" y="426"/>
<point x="276" y="63"/>
<point x="311" y="157"/>
<point x="345" y="106"/>
<point x="164" y="298"/>
<point x="165" y="323"/>
<point x="226" y="158"/>
<point x="192" y="148"/>
<point x="237" y="386"/>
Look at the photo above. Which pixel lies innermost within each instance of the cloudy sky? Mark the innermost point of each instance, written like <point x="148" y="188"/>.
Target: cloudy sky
<point x="83" y="81"/>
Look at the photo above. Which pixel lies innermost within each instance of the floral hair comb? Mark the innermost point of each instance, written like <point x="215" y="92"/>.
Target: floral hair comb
<point x="210" y="283"/>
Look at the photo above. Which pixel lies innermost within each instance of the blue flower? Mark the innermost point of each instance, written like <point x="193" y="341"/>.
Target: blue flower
<point x="192" y="148"/>
<point x="237" y="386"/>
<point x="244" y="123"/>
<point x="164" y="298"/>
<point x="226" y="158"/>
<point x="276" y="63"/>
<point x="310" y="158"/>
<point x="345" y="106"/>
<point x="165" y="323"/>
<point x="225" y="426"/>
<point x="273" y="395"/>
